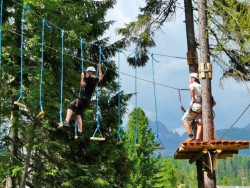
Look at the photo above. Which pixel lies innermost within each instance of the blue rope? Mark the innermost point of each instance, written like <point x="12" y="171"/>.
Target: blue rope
<point x="97" y="108"/>
<point x="42" y="62"/>
<point x="82" y="41"/>
<point x="119" y="100"/>
<point x="21" y="53"/>
<point x="1" y="23"/>
<point x="136" y="113"/>
<point x="62" y="61"/>
<point x="156" y="114"/>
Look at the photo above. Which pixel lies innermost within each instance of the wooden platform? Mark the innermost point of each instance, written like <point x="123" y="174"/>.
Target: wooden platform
<point x="223" y="148"/>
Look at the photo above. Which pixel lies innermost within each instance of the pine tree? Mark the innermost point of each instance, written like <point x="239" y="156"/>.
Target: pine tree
<point x="143" y="161"/>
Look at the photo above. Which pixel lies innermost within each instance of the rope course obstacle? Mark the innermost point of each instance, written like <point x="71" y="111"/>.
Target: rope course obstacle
<point x="119" y="139"/>
<point x="41" y="113"/>
<point x="98" y="130"/>
<point x="22" y="104"/>
<point x="156" y="114"/>
<point x="82" y="41"/>
<point x="61" y="85"/>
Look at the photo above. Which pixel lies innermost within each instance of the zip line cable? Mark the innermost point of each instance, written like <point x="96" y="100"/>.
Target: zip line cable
<point x="126" y="74"/>
<point x="41" y="113"/>
<point x="223" y="134"/>
<point x="24" y="8"/>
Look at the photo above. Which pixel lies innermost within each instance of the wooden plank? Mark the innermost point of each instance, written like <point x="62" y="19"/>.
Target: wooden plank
<point x="119" y="142"/>
<point x="97" y="138"/>
<point x="20" y="104"/>
<point x="40" y="115"/>
<point x="159" y="147"/>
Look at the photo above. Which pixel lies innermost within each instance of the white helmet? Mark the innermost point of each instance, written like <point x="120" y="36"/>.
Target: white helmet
<point x="194" y="75"/>
<point x="90" y="69"/>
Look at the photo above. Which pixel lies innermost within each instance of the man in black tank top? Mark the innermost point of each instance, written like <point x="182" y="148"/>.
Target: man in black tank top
<point x="88" y="84"/>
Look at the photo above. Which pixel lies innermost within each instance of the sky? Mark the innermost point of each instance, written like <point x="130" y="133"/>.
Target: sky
<point x="231" y="97"/>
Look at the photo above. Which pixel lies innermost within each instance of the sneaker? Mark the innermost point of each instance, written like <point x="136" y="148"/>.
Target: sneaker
<point x="79" y="133"/>
<point x="66" y="124"/>
<point x="196" y="140"/>
<point x="190" y="139"/>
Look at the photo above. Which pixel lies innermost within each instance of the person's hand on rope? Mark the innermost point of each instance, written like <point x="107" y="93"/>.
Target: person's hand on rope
<point x="82" y="76"/>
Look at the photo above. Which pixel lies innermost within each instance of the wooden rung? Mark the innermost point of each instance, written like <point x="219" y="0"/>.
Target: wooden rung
<point x="137" y="145"/>
<point x="159" y="147"/>
<point x="20" y="104"/>
<point x="97" y="138"/>
<point x="40" y="115"/>
<point x="119" y="142"/>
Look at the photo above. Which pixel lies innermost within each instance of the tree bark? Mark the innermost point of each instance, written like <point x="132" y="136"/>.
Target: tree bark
<point x="207" y="115"/>
<point x="27" y="158"/>
<point x="13" y="147"/>
<point x="193" y="67"/>
<point x="191" y="44"/>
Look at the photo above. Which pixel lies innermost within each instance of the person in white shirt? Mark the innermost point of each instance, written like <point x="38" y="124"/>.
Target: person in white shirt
<point x="195" y="109"/>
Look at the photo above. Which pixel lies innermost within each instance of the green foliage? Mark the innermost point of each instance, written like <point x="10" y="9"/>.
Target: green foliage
<point x="229" y="27"/>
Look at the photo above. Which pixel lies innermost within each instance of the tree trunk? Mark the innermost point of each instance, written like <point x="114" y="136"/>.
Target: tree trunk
<point x="13" y="135"/>
<point x="207" y="115"/>
<point x="200" y="177"/>
<point x="27" y="158"/>
<point x="191" y="44"/>
<point x="13" y="147"/>
<point x="193" y="67"/>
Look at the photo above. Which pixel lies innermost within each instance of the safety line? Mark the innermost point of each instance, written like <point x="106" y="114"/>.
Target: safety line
<point x="234" y="122"/>
<point x="126" y="74"/>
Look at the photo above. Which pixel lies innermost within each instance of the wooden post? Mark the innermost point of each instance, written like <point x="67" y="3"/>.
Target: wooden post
<point x="207" y="115"/>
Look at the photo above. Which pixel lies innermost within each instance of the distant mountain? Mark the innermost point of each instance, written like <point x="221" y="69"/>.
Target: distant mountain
<point x="172" y="140"/>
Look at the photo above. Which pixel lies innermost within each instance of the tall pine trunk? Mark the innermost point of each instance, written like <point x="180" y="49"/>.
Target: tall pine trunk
<point x="207" y="115"/>
<point x="13" y="127"/>
<point x="193" y="67"/>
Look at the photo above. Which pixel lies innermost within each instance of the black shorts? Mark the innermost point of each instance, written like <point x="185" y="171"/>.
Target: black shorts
<point x="79" y="105"/>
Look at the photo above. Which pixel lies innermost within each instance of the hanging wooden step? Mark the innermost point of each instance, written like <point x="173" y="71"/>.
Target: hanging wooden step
<point x="97" y="138"/>
<point x="159" y="147"/>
